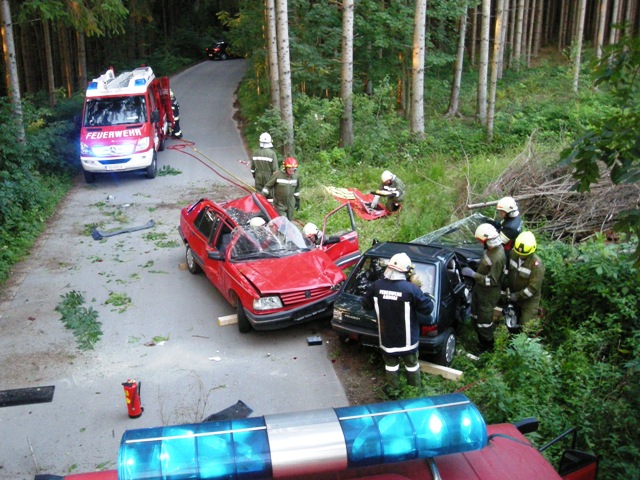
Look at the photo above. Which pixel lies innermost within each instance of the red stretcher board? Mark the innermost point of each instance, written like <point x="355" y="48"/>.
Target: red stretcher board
<point x="362" y="210"/>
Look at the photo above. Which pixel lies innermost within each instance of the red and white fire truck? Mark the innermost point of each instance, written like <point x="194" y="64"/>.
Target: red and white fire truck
<point x="125" y="121"/>
<point x="432" y="438"/>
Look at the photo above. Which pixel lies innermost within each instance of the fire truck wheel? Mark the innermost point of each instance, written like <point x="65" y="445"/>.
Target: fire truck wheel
<point x="191" y="262"/>
<point x="89" y="177"/>
<point x="152" y="170"/>
<point x="243" y="322"/>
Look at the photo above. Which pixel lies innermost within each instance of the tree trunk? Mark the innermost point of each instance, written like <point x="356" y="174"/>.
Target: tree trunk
<point x="272" y="45"/>
<point x="564" y="18"/>
<point x="577" y="47"/>
<point x="11" y="68"/>
<point x="474" y="33"/>
<point x="616" y="14"/>
<point x="484" y="61"/>
<point x="494" y="68"/>
<point x="530" y="29"/>
<point x="512" y="31"/>
<point x="519" y="24"/>
<point x="51" y="87"/>
<point x="630" y="17"/>
<point x="417" y="72"/>
<point x="82" y="61"/>
<point x="286" y="101"/>
<point x="65" y="56"/>
<point x="601" y="26"/>
<point x="503" y="37"/>
<point x="454" y="100"/>
<point x="537" y="38"/>
<point x="346" y="91"/>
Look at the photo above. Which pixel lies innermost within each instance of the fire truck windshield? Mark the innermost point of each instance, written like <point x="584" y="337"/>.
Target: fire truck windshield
<point x="105" y="112"/>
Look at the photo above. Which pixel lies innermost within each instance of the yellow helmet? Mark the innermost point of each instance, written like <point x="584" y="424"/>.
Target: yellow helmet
<point x="525" y="244"/>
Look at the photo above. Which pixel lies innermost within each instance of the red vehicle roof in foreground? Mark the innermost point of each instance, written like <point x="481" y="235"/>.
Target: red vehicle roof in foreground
<point x="508" y="455"/>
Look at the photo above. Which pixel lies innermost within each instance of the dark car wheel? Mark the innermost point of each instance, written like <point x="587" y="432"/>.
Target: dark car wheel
<point x="89" y="177"/>
<point x="192" y="265"/>
<point x="243" y="322"/>
<point x="445" y="356"/>
<point x="223" y="56"/>
<point x="152" y="170"/>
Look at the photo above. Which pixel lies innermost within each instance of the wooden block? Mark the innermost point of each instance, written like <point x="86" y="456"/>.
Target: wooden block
<point x="446" y="372"/>
<point x="228" y="320"/>
<point x="182" y="266"/>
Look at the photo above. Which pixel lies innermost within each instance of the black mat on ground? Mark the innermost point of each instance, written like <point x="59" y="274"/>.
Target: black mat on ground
<point x="26" y="396"/>
<point x="239" y="410"/>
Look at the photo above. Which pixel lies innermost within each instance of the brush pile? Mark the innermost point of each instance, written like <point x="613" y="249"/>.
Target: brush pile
<point x="550" y="204"/>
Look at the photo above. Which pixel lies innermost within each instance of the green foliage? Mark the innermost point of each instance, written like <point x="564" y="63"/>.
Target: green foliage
<point x="81" y="320"/>
<point x="614" y="138"/>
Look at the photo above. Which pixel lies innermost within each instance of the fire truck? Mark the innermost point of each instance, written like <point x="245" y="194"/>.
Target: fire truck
<point x="431" y="438"/>
<point x="125" y="122"/>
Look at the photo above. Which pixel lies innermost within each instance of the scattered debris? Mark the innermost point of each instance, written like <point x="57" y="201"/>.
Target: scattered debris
<point x="215" y="359"/>
<point x="314" y="340"/>
<point x="26" y="396"/>
<point x="239" y="410"/>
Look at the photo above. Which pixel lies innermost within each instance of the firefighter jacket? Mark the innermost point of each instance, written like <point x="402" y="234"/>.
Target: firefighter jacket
<point x="395" y="186"/>
<point x="264" y="163"/>
<point x="285" y="191"/>
<point x="492" y="267"/>
<point x="509" y="228"/>
<point x="397" y="304"/>
<point x="524" y="278"/>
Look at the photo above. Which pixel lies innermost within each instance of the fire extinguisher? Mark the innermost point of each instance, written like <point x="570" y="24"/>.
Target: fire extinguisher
<point x="132" y="396"/>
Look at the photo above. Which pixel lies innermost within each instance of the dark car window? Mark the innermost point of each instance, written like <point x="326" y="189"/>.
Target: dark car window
<point x="206" y="223"/>
<point x="372" y="268"/>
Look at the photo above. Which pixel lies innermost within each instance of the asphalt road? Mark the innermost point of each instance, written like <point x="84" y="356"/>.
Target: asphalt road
<point x="167" y="336"/>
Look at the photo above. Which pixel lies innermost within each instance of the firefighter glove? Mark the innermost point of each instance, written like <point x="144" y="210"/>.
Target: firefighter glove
<point x="297" y="203"/>
<point x="468" y="272"/>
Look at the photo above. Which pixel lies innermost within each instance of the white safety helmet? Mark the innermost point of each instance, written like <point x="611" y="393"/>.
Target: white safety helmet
<point x="257" y="222"/>
<point x="387" y="176"/>
<point x="310" y="229"/>
<point x="265" y="140"/>
<point x="400" y="262"/>
<point x="171" y="93"/>
<point x="509" y="206"/>
<point x="485" y="232"/>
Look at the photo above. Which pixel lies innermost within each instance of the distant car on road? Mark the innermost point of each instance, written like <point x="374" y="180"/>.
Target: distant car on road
<point x="219" y="51"/>
<point x="271" y="273"/>
<point x="438" y="265"/>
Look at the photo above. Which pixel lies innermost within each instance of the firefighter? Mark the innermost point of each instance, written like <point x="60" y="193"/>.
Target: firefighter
<point x="175" y="108"/>
<point x="264" y="162"/>
<point x="510" y="224"/>
<point x="394" y="186"/>
<point x="312" y="233"/>
<point x="286" y="188"/>
<point x="397" y="303"/>
<point x="524" y="277"/>
<point x="488" y="283"/>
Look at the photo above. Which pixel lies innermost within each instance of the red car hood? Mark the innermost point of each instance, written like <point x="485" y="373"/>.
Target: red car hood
<point x="304" y="271"/>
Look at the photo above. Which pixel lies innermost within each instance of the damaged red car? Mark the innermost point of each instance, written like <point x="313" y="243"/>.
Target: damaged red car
<point x="267" y="269"/>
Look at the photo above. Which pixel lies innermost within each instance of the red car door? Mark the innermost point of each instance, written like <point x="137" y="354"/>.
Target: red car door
<point x="340" y="237"/>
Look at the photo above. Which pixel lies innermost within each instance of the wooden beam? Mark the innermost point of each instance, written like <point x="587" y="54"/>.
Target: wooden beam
<point x="446" y="372"/>
<point x="228" y="320"/>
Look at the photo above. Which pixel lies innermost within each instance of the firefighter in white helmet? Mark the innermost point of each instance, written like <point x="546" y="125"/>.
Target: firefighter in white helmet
<point x="175" y="108"/>
<point x="394" y="189"/>
<point x="509" y="225"/>
<point x="264" y="162"/>
<point x="524" y="277"/>
<point x="488" y="283"/>
<point x="397" y="303"/>
<point x="312" y="233"/>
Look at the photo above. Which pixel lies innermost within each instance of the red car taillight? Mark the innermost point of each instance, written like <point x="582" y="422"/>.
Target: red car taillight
<point x="429" y="331"/>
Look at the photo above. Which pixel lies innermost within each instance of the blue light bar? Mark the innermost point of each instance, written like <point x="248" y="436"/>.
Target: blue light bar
<point x="139" y="82"/>
<point x="304" y="443"/>
<point x="93" y="86"/>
